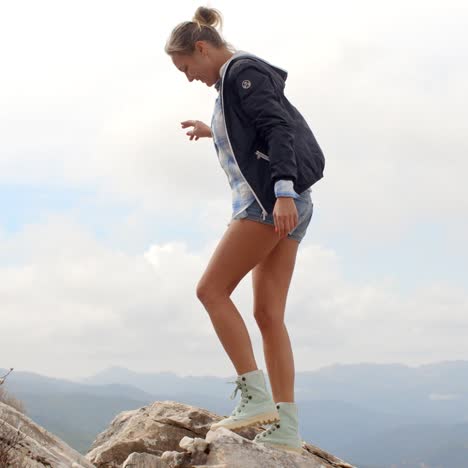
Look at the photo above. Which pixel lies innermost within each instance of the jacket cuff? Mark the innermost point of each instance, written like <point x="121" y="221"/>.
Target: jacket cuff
<point x="285" y="188"/>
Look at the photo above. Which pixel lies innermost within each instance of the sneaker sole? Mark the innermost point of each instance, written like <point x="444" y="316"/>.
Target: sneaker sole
<point x="284" y="447"/>
<point x="264" y="418"/>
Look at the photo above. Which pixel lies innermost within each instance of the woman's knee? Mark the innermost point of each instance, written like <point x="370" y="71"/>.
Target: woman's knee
<point x="269" y="321"/>
<point x="202" y="291"/>
<point x="207" y="291"/>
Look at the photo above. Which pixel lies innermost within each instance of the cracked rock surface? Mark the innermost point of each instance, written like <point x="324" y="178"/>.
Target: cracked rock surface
<point x="169" y="434"/>
<point x="37" y="447"/>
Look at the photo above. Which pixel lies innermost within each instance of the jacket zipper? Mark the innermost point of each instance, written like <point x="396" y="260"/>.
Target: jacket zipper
<point x="261" y="155"/>
<point x="264" y="212"/>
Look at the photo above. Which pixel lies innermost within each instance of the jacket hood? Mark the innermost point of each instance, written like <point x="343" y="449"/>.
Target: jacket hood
<point x="283" y="74"/>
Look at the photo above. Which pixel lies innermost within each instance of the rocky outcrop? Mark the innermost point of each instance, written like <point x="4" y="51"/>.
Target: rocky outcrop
<point x="168" y="434"/>
<point x="35" y="447"/>
<point x="165" y="434"/>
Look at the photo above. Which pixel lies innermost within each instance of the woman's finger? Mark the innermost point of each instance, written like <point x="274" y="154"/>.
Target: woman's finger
<point x="286" y="225"/>
<point x="188" y="123"/>
<point x="279" y="226"/>
<point x="292" y="223"/>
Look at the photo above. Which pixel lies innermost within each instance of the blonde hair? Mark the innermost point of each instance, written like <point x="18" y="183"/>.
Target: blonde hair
<point x="201" y="28"/>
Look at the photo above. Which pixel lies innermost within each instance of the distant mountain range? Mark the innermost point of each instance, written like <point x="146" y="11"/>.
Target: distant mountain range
<point x="372" y="415"/>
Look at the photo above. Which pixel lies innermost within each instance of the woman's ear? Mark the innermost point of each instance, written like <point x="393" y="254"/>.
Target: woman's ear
<point x="202" y="48"/>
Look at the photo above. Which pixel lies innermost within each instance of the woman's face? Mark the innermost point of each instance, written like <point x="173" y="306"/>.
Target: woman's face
<point x="198" y="66"/>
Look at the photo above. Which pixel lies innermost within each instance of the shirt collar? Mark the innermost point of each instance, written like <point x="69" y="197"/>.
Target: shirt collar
<point x="225" y="64"/>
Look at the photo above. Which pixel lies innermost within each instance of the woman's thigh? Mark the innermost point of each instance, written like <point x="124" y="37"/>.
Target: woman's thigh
<point x="271" y="279"/>
<point x="244" y="244"/>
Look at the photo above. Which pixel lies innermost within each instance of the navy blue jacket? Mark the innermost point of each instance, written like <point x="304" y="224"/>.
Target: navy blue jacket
<point x="269" y="137"/>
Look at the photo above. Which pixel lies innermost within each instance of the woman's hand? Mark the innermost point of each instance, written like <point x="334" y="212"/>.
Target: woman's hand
<point x="285" y="215"/>
<point x="200" y="129"/>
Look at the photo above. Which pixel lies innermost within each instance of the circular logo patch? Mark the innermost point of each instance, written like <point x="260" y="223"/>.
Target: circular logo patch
<point x="246" y="84"/>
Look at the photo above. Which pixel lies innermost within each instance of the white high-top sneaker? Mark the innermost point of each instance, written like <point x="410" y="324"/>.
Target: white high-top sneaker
<point x="283" y="434"/>
<point x="256" y="405"/>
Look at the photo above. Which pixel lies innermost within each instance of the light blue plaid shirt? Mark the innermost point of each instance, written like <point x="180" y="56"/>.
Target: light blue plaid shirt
<point x="242" y="195"/>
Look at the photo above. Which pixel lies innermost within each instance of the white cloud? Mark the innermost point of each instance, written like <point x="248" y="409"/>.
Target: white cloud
<point x="383" y="92"/>
<point x="74" y="297"/>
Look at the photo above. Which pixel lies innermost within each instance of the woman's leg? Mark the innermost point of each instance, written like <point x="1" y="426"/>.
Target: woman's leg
<point x="271" y="279"/>
<point x="244" y="244"/>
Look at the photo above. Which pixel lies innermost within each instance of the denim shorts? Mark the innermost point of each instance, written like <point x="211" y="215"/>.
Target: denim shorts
<point x="304" y="206"/>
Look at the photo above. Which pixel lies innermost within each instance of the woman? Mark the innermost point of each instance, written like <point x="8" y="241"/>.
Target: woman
<point x="271" y="159"/>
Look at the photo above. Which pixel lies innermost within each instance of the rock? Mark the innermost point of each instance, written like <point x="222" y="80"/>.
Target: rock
<point x="152" y="429"/>
<point x="234" y="451"/>
<point x="193" y="445"/>
<point x="165" y="434"/>
<point x="179" y="435"/>
<point x="37" y="447"/>
<point x="144" y="460"/>
<point x="174" y="458"/>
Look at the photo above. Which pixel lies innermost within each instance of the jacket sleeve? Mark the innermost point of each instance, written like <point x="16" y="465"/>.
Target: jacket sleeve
<point x="261" y="103"/>
<point x="284" y="188"/>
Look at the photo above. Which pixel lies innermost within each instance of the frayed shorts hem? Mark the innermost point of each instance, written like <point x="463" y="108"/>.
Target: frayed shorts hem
<point x="304" y="206"/>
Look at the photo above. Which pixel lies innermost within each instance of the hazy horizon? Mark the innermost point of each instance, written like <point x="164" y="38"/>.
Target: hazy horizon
<point x="78" y="378"/>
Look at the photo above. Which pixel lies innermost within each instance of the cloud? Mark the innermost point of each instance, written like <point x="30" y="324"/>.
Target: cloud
<point x="89" y="99"/>
<point x="98" y="307"/>
<point x="104" y="110"/>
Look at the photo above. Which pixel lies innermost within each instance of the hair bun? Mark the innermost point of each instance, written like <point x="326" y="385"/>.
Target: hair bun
<point x="208" y="17"/>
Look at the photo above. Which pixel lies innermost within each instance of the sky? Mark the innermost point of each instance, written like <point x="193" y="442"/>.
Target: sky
<point x="109" y="213"/>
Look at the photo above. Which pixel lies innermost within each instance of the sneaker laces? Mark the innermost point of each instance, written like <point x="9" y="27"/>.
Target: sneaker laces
<point x="271" y="427"/>
<point x="244" y="398"/>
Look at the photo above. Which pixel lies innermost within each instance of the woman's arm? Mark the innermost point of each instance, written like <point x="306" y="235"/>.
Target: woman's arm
<point x="261" y="103"/>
